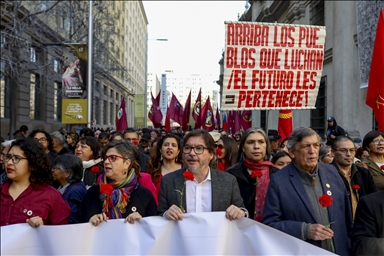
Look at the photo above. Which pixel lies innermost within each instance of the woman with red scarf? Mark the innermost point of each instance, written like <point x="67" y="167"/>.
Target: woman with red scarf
<point x="118" y="193"/>
<point x="253" y="170"/>
<point x="226" y="150"/>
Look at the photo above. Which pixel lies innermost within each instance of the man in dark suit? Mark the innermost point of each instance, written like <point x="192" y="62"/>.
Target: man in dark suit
<point x="211" y="190"/>
<point x="368" y="229"/>
<point x="292" y="203"/>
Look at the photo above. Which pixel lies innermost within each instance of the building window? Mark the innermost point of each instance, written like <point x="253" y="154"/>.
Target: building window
<point x="105" y="120"/>
<point x="105" y="90"/>
<point x="3" y="41"/>
<point x="97" y="86"/>
<point x="33" y="54"/>
<point x="5" y="96"/>
<point x="97" y="110"/>
<point x="111" y="93"/>
<point x="34" y="97"/>
<point x="56" y="66"/>
<point x="318" y="115"/>
<point x="263" y="119"/>
<point x="317" y="13"/>
<point x="112" y="113"/>
<point x="57" y="101"/>
<point x="117" y="96"/>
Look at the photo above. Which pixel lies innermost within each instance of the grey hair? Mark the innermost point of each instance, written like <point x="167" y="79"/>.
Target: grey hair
<point x="72" y="164"/>
<point x="298" y="134"/>
<point x="241" y="156"/>
<point x="323" y="151"/>
<point x="58" y="136"/>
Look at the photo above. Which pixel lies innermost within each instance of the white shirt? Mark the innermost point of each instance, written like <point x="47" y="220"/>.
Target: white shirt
<point x="199" y="195"/>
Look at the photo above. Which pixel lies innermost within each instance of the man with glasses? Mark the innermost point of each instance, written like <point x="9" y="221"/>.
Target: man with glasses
<point x="357" y="180"/>
<point x="45" y="139"/>
<point x="210" y="190"/>
<point x="132" y="136"/>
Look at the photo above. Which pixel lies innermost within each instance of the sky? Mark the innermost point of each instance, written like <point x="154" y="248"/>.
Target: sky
<point x="195" y="33"/>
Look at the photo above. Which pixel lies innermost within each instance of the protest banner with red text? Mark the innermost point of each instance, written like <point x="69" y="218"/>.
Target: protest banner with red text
<point x="272" y="65"/>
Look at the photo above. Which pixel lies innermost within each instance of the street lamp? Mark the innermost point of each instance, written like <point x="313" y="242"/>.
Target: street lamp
<point x="146" y="77"/>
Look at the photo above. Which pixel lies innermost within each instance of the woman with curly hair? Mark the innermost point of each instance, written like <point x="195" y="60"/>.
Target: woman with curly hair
<point x="165" y="158"/>
<point x="45" y="139"/>
<point x="118" y="193"/>
<point x="27" y="196"/>
<point x="88" y="150"/>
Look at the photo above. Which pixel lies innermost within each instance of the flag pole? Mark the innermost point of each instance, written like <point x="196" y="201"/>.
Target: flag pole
<point x="89" y="71"/>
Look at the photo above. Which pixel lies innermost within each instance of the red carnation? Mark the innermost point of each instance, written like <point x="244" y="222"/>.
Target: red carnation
<point x="135" y="142"/>
<point x="325" y="200"/>
<point x="106" y="189"/>
<point x="219" y="152"/>
<point x="355" y="186"/>
<point x="382" y="167"/>
<point x="95" y="169"/>
<point x="188" y="175"/>
<point x="256" y="174"/>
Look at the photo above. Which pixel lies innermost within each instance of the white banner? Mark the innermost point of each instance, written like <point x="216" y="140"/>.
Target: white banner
<point x="197" y="234"/>
<point x="272" y="65"/>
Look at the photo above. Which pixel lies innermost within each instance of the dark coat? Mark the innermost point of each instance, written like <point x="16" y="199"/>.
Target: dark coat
<point x="141" y="198"/>
<point x="143" y="160"/>
<point x="247" y="185"/>
<point x="287" y="205"/>
<point x="334" y="130"/>
<point x="89" y="177"/>
<point x="225" y="191"/>
<point x="368" y="229"/>
<point x="64" y="150"/>
<point x="74" y="195"/>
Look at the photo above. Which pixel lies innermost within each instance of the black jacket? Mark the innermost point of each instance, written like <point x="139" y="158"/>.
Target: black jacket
<point x="334" y="130"/>
<point x="247" y="185"/>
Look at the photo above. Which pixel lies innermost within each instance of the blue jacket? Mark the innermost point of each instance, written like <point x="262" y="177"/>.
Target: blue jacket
<point x="287" y="205"/>
<point x="74" y="195"/>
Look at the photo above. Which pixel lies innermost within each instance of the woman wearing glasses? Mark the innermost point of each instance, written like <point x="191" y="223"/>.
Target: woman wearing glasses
<point x="26" y="196"/>
<point x="226" y="151"/>
<point x="118" y="193"/>
<point x="253" y="170"/>
<point x="165" y="158"/>
<point x="374" y="142"/>
<point x="45" y="139"/>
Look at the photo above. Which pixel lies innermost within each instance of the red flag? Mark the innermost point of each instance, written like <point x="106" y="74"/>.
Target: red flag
<point x="175" y="110"/>
<point x="375" y="92"/>
<point x="246" y="119"/>
<point x="155" y="114"/>
<point x="229" y="122"/>
<point x="196" y="111"/>
<point x="167" y="122"/>
<point x="217" y="119"/>
<point x="225" y="120"/>
<point x="207" y="116"/>
<point x="121" y="117"/>
<point x="285" y="124"/>
<point x="187" y="112"/>
<point x="236" y="122"/>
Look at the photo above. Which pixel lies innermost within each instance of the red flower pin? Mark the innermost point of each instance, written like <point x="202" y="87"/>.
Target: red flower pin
<point x="382" y="167"/>
<point x="355" y="186"/>
<point x="188" y="175"/>
<point x="95" y="169"/>
<point x="256" y="174"/>
<point x="106" y="189"/>
<point x="325" y="200"/>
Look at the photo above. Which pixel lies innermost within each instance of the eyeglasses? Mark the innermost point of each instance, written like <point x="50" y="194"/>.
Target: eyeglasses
<point x="345" y="151"/>
<point x="41" y="140"/>
<point x="377" y="141"/>
<point x="15" y="158"/>
<point x="218" y="146"/>
<point x="198" y="149"/>
<point x="112" y="158"/>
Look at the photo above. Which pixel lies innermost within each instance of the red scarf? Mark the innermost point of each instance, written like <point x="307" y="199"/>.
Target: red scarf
<point x="261" y="185"/>
<point x="221" y="166"/>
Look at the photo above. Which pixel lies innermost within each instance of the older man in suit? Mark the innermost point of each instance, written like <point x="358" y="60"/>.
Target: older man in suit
<point x="292" y="203"/>
<point x="210" y="189"/>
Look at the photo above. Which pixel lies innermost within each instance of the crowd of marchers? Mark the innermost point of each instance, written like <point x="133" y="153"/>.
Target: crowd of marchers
<point x="327" y="192"/>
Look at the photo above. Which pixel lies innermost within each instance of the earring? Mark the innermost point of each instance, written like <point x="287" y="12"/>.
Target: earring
<point x="161" y="157"/>
<point x="176" y="159"/>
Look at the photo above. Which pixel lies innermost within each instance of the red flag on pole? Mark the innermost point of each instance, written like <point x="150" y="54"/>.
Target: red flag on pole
<point x="217" y="119"/>
<point x="155" y="114"/>
<point x="167" y="122"/>
<point x="207" y="116"/>
<point x="236" y="122"/>
<point x="375" y="92"/>
<point x="121" y="117"/>
<point x="246" y="119"/>
<point x="229" y="122"/>
<point x="196" y="111"/>
<point x="285" y="126"/>
<point x="225" y="120"/>
<point x="175" y="111"/>
<point x="187" y="112"/>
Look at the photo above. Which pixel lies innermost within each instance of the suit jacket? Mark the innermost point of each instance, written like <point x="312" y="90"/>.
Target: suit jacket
<point x="287" y="205"/>
<point x="368" y="229"/>
<point x="225" y="191"/>
<point x="377" y="173"/>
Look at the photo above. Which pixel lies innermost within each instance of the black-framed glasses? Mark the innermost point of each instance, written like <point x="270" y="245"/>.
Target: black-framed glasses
<point x="199" y="149"/>
<point x="378" y="141"/>
<point x="113" y="158"/>
<point x="219" y="146"/>
<point x="41" y="140"/>
<point x="15" y="158"/>
<point x="345" y="150"/>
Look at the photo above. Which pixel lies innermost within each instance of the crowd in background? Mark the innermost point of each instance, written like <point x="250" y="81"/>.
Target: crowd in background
<point x="60" y="177"/>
